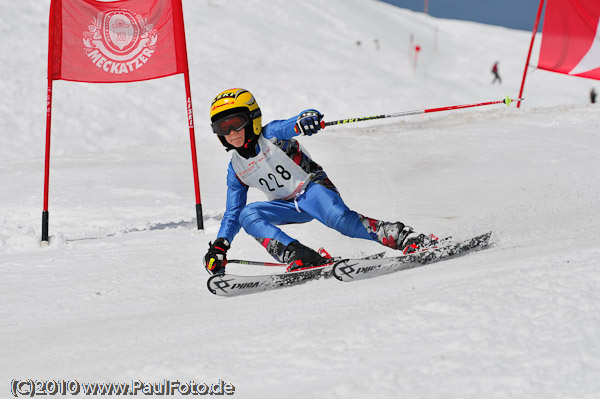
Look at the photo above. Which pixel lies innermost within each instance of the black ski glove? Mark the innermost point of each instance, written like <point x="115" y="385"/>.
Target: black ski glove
<point x="216" y="257"/>
<point x="309" y="122"/>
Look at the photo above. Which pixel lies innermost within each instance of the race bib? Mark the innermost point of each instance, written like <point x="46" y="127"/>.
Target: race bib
<point x="271" y="171"/>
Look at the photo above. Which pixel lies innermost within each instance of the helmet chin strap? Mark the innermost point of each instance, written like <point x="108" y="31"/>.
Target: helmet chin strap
<point x="248" y="150"/>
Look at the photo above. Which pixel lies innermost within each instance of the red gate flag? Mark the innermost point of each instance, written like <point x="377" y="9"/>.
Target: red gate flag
<point x="120" y="41"/>
<point x="571" y="38"/>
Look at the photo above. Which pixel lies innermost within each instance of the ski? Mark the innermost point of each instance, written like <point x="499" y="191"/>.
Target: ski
<point x="358" y="269"/>
<point x="233" y="285"/>
<point x="343" y="270"/>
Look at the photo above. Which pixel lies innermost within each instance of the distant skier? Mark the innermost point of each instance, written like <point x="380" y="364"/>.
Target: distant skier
<point x="593" y="96"/>
<point x="417" y="50"/>
<point x="496" y="74"/>
<point x="298" y="189"/>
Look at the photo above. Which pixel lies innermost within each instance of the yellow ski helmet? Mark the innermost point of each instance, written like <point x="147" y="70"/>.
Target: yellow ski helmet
<point x="235" y="101"/>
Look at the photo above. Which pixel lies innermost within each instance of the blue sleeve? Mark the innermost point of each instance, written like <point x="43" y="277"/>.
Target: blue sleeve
<point x="283" y="129"/>
<point x="237" y="193"/>
<point x="280" y="129"/>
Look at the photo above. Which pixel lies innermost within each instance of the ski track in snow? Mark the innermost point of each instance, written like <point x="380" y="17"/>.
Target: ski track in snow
<point x="120" y="294"/>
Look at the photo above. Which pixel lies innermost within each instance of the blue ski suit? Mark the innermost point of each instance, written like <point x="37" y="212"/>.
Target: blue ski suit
<point x="319" y="200"/>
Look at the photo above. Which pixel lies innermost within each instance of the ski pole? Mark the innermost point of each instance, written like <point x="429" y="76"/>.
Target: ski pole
<point x="256" y="263"/>
<point x="506" y="101"/>
<point x="259" y="263"/>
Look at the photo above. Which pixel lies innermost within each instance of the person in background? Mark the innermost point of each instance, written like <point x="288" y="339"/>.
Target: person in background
<point x="496" y="73"/>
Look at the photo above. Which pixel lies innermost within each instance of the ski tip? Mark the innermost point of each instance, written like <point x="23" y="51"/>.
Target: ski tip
<point x="209" y="286"/>
<point x="485" y="238"/>
<point x="217" y="284"/>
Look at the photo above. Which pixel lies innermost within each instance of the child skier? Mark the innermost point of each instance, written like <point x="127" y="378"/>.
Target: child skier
<point x="298" y="189"/>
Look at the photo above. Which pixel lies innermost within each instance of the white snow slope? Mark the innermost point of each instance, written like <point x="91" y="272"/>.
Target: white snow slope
<point x="119" y="294"/>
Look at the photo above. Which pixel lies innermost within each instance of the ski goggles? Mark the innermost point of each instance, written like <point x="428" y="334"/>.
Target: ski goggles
<point x="225" y="125"/>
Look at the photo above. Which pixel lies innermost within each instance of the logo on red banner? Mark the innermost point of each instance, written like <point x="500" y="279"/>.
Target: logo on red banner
<point x="120" y="41"/>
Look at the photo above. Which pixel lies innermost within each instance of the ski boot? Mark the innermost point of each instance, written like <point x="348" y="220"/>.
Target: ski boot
<point x="300" y="257"/>
<point x="418" y="242"/>
<point x="398" y="236"/>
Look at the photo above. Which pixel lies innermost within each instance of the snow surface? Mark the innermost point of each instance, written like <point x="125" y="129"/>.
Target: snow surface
<point x="120" y="295"/>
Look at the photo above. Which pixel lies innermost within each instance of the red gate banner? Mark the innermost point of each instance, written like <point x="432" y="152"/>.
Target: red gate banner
<point x="571" y="38"/>
<point x="118" y="41"/>
<point x="121" y="41"/>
